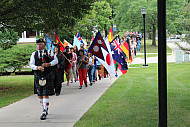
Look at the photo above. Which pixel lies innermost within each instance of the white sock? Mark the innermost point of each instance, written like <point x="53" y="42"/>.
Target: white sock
<point x="45" y="103"/>
<point x="40" y="100"/>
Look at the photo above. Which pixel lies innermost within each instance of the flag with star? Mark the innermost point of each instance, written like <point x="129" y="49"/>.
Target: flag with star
<point x="118" y="54"/>
<point x="101" y="49"/>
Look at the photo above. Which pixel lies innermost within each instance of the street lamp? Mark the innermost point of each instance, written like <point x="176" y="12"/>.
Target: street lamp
<point x="143" y="12"/>
<point x="112" y="16"/>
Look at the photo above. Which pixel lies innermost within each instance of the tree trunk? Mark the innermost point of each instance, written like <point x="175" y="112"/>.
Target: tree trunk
<point x="14" y="70"/>
<point x="154" y="36"/>
<point x="149" y="35"/>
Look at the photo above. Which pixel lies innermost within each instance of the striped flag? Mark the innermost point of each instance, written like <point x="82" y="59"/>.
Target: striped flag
<point x="110" y="36"/>
<point x="126" y="49"/>
<point x="62" y="47"/>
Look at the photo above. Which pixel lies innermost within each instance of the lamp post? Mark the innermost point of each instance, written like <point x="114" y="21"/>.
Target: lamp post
<point x="112" y="16"/>
<point x="143" y="12"/>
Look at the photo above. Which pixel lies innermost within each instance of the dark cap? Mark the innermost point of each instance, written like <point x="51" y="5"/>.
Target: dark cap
<point x="55" y="44"/>
<point x="40" y="41"/>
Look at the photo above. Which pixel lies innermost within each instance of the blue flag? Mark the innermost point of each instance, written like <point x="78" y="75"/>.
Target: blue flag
<point x="118" y="54"/>
<point x="76" y="42"/>
<point x="49" y="44"/>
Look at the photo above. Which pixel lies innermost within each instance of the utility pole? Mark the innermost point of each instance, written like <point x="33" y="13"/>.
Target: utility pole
<point x="162" y="62"/>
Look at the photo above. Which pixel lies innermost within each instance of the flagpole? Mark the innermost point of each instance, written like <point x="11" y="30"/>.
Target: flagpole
<point x="66" y="58"/>
<point x="81" y="61"/>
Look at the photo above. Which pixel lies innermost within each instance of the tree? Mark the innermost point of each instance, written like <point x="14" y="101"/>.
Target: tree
<point x="102" y="12"/>
<point x="97" y="18"/>
<point x="129" y="18"/>
<point x="8" y="38"/>
<point x="44" y="15"/>
<point x="15" y="57"/>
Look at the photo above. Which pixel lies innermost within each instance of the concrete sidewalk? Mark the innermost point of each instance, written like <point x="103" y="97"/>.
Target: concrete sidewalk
<point x="64" y="110"/>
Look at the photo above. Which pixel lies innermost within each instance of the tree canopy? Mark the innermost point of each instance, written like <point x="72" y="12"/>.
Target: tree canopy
<point x="8" y="38"/>
<point x="129" y="17"/>
<point x="42" y="14"/>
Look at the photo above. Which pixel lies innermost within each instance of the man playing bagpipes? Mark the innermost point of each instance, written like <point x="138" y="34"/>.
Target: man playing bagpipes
<point x="42" y="65"/>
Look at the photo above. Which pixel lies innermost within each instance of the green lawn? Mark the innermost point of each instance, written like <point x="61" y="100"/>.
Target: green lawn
<point x="132" y="101"/>
<point x="15" y="88"/>
<point x="152" y="49"/>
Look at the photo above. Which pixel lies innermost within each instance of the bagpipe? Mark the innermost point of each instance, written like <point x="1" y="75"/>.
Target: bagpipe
<point x="47" y="70"/>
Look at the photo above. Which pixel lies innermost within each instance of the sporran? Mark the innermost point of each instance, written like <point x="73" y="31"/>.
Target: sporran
<point x="42" y="82"/>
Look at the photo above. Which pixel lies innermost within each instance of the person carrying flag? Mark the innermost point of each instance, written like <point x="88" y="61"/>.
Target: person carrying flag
<point x="73" y="69"/>
<point x="82" y="62"/>
<point x="68" y="63"/>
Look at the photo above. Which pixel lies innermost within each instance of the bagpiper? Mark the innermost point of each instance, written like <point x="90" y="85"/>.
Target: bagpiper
<point x="41" y="63"/>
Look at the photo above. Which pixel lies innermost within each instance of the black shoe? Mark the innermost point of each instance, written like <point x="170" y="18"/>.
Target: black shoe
<point x="57" y="94"/>
<point x="47" y="111"/>
<point x="90" y="84"/>
<point x="43" y="116"/>
<point x="80" y="87"/>
<point x="86" y="85"/>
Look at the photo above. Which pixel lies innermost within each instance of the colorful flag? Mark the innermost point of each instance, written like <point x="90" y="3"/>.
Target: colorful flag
<point x="93" y="38"/>
<point x="81" y="40"/>
<point x="118" y="54"/>
<point x="110" y="36"/>
<point x="62" y="48"/>
<point x="95" y="47"/>
<point x="102" y="51"/>
<point x="49" y="44"/>
<point x="126" y="49"/>
<point x="79" y="37"/>
<point x="66" y="43"/>
<point x="76" y="42"/>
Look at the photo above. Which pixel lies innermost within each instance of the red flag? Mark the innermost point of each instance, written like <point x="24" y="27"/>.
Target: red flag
<point x="62" y="47"/>
<point x="110" y="36"/>
<point x="96" y="45"/>
<point x="101" y="49"/>
<point x="126" y="49"/>
<point x="93" y="38"/>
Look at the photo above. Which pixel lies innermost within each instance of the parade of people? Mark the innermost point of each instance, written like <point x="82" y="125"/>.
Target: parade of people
<point x="70" y="62"/>
<point x="94" y="63"/>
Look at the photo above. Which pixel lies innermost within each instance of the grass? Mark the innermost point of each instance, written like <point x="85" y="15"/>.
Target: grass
<point x="152" y="49"/>
<point x="132" y="101"/>
<point x="15" y="88"/>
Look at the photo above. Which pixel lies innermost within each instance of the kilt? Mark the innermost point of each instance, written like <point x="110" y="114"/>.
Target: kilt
<point x="46" y="90"/>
